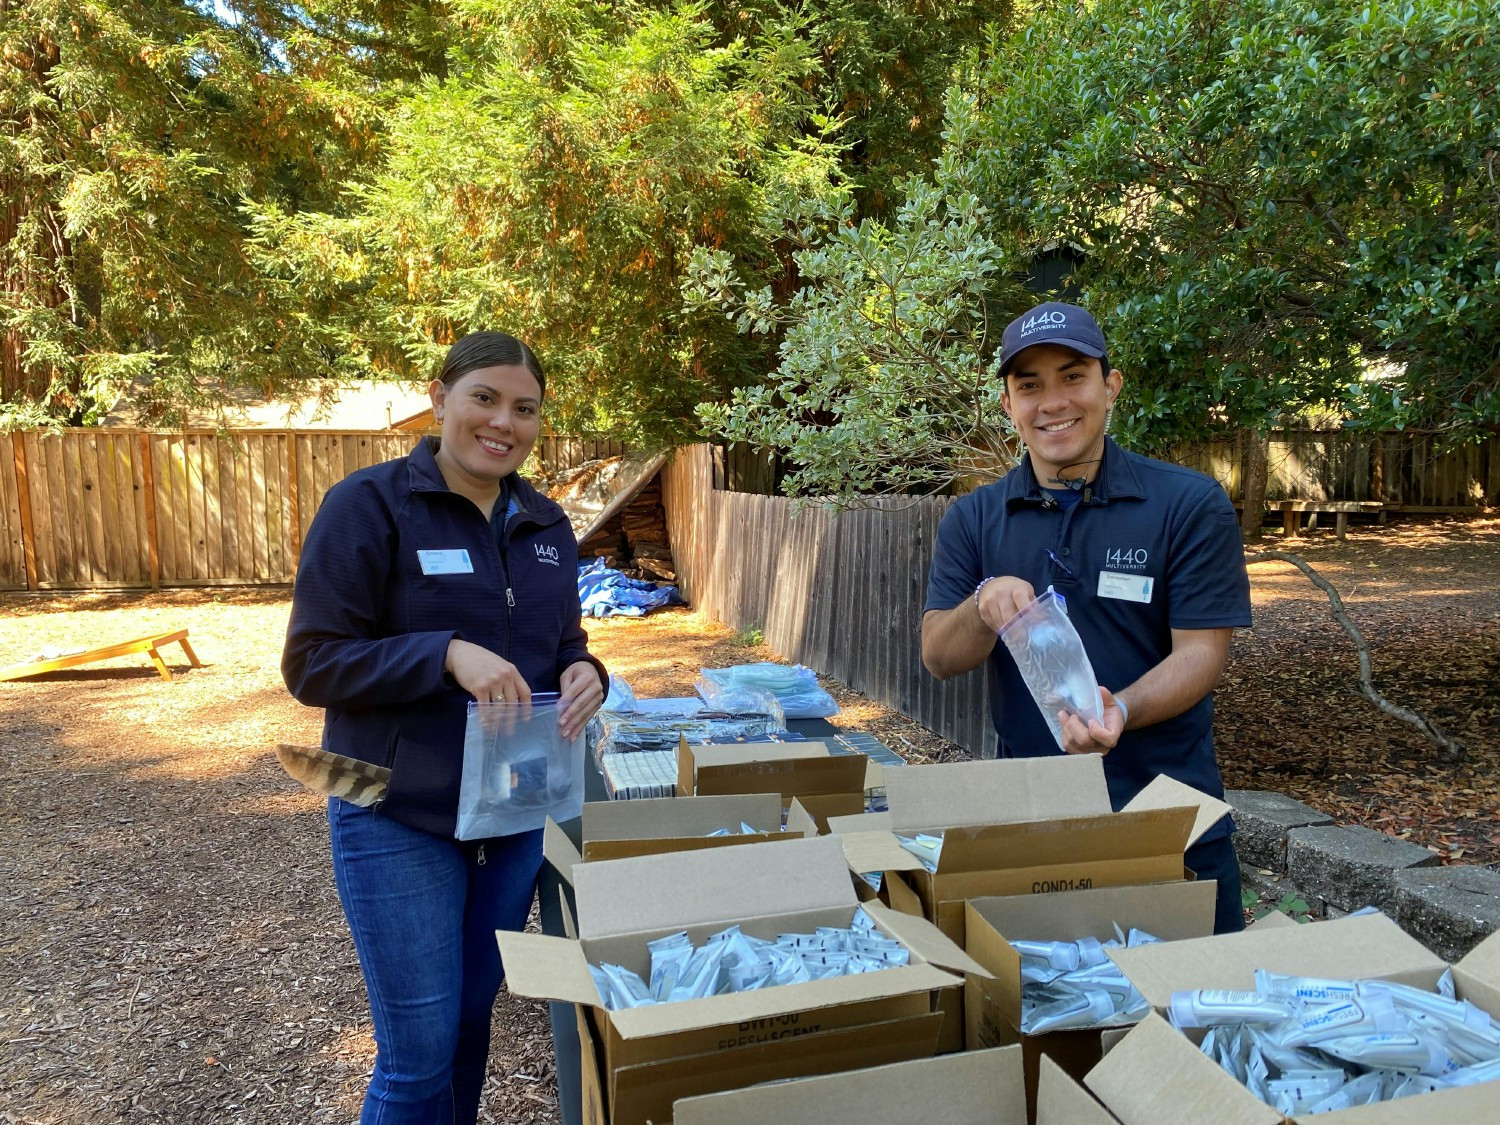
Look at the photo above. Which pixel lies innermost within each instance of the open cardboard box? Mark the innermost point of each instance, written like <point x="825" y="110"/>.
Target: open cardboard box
<point x="638" y="1062"/>
<point x="1060" y="1100"/>
<point x="1156" y="1073"/>
<point x="826" y="784"/>
<point x="620" y="829"/>
<point x="974" y="1088"/>
<point x="1021" y="826"/>
<point x="992" y="1006"/>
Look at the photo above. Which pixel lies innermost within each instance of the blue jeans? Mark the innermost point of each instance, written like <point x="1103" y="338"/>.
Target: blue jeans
<point x="423" y="911"/>
<point x="1215" y="859"/>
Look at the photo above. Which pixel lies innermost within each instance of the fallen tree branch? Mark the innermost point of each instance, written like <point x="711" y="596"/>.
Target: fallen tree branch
<point x="1452" y="751"/>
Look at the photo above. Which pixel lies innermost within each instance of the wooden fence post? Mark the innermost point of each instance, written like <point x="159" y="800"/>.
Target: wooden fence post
<point x="148" y="485"/>
<point x="293" y="499"/>
<point x="23" y="488"/>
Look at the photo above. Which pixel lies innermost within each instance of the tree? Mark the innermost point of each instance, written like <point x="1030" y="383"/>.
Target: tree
<point x="1268" y="197"/>
<point x="129" y="132"/>
<point x="881" y="69"/>
<point x="886" y="380"/>
<point x="557" y="178"/>
<point x="552" y="185"/>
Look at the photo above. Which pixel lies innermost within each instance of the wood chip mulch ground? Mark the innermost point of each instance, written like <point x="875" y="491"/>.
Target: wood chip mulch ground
<point x="171" y="948"/>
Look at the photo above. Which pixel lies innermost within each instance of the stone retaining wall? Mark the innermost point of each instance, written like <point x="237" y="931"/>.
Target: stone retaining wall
<point x="1285" y="846"/>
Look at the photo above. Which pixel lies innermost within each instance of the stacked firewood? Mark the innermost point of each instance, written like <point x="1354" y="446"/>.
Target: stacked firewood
<point x="635" y="539"/>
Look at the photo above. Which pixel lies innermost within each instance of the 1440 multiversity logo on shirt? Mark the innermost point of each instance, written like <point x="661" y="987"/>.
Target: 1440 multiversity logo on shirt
<point x="1125" y="558"/>
<point x="546" y="553"/>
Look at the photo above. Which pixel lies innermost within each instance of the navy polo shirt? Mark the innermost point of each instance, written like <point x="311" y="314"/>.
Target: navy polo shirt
<point x="1140" y="523"/>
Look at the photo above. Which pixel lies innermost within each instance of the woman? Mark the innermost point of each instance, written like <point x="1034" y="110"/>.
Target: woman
<point x="425" y="582"/>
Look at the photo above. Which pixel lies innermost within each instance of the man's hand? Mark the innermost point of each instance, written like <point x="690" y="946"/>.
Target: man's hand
<point x="582" y="695"/>
<point x="484" y="675"/>
<point x="958" y="639"/>
<point x="1001" y="598"/>
<point x="1095" y="736"/>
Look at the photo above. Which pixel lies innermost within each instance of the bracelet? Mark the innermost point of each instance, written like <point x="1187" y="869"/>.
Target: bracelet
<point x="982" y="583"/>
<point x="1124" y="711"/>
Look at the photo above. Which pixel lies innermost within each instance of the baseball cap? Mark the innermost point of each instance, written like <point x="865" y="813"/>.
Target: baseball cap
<point x="1052" y="322"/>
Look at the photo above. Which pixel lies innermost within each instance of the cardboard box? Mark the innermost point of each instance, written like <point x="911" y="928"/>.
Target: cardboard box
<point x="1156" y="1073"/>
<point x="1019" y="826"/>
<point x="826" y="784"/>
<point x="992" y="1006"/>
<point x="1360" y="946"/>
<point x="620" y="829"/>
<point x="638" y="1062"/>
<point x="1062" y="1101"/>
<point x="1022" y="826"/>
<point x="975" y="1088"/>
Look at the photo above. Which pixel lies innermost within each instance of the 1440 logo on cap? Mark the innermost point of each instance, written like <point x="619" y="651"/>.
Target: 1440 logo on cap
<point x="1050" y="319"/>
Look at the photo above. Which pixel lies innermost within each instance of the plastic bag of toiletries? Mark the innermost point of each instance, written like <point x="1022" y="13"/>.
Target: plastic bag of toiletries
<point x="796" y="688"/>
<point x="1056" y="669"/>
<point x="518" y="769"/>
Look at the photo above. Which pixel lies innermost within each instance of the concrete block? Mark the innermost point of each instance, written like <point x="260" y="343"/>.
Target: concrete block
<point x="1448" y="909"/>
<point x="1262" y="820"/>
<point x="1351" y="867"/>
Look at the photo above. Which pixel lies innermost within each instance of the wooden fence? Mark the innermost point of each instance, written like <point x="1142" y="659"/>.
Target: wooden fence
<point x="134" y="508"/>
<point x="1406" y="471"/>
<point x="840" y="592"/>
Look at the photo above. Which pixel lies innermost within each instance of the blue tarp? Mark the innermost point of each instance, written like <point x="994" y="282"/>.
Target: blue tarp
<point x="605" y="592"/>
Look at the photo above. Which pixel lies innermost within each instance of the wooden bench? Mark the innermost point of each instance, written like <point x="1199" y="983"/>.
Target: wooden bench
<point x="148" y="645"/>
<point x="1291" y="513"/>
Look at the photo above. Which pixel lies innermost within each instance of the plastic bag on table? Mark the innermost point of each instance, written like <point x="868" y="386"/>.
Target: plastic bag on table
<point x="1050" y="654"/>
<point x="795" y="687"/>
<point x="737" y="700"/>
<point x="660" y="730"/>
<point x="518" y="769"/>
<point x="620" y="698"/>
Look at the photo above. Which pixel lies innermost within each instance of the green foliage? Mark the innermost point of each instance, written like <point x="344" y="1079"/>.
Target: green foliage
<point x="883" y="70"/>
<point x="553" y="186"/>
<point x="1272" y="199"/>
<point x="1270" y="194"/>
<point x="1291" y="904"/>
<point x="212" y="193"/>
<point x="884" y="382"/>
<point x="129" y="132"/>
<point x="750" y="636"/>
<point x="558" y="181"/>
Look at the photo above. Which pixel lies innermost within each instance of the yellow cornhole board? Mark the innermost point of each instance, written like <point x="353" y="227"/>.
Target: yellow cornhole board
<point x="148" y="645"/>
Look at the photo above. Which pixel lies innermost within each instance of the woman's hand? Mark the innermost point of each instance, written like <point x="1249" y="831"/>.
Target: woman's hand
<point x="485" y="676"/>
<point x="581" y="695"/>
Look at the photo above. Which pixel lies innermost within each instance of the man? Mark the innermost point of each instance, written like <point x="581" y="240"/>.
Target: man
<point x="1147" y="555"/>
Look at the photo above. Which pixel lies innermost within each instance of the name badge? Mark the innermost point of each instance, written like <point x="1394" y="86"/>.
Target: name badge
<point x="1125" y="587"/>
<point x="445" y="562"/>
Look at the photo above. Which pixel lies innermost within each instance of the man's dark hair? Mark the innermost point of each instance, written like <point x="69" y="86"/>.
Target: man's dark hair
<point x="478" y="350"/>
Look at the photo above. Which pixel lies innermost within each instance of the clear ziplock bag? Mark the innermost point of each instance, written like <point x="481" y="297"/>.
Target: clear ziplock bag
<point x="796" y="688"/>
<point x="1049" y="652"/>
<point x="518" y="769"/>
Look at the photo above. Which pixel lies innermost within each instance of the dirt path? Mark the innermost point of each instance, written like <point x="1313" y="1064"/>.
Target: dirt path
<point x="171" y="949"/>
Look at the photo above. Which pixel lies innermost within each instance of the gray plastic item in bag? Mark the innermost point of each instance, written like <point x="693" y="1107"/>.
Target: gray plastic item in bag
<point x="1050" y="655"/>
<point x="518" y="769"/>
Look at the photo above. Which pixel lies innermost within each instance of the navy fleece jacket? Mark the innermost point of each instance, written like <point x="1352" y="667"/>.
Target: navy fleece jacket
<point x="369" y="630"/>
